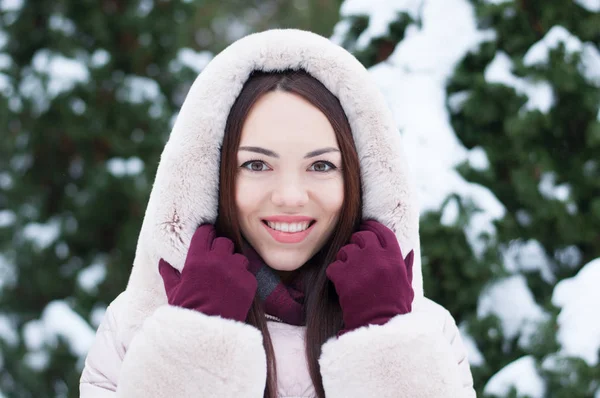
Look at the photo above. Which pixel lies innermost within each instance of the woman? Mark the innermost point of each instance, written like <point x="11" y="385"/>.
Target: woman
<point x="278" y="250"/>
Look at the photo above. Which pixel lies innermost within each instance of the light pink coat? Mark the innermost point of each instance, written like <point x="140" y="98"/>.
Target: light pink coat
<point x="374" y="353"/>
<point x="146" y="348"/>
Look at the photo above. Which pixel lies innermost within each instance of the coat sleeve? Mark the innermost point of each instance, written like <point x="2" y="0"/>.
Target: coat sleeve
<point x="176" y="353"/>
<point x="419" y="354"/>
<point x="102" y="365"/>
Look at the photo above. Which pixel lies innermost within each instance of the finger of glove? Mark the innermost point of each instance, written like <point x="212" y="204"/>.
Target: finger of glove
<point x="223" y="245"/>
<point x="170" y="275"/>
<point x="346" y="252"/>
<point x="408" y="261"/>
<point x="202" y="239"/>
<point x="240" y="260"/>
<point x="365" y="239"/>
<point x="334" y="269"/>
<point x="385" y="235"/>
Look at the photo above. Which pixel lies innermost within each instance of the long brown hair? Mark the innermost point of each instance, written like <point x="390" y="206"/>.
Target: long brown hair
<point x="322" y="308"/>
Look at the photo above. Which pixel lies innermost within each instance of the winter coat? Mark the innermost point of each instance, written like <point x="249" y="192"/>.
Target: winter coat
<point x="146" y="348"/>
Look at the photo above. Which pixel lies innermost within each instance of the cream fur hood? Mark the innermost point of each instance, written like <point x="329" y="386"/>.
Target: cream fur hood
<point x="185" y="195"/>
<point x="186" y="186"/>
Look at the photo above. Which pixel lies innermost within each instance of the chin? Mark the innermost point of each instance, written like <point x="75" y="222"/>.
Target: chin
<point x="284" y="259"/>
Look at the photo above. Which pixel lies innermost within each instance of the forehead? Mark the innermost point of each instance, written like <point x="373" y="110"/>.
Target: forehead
<point x="281" y="120"/>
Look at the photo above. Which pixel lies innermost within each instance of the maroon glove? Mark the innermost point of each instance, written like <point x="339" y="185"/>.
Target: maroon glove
<point x="373" y="281"/>
<point x="214" y="280"/>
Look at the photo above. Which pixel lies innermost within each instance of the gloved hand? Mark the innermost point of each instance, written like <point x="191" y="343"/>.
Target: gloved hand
<point x="371" y="277"/>
<point x="214" y="279"/>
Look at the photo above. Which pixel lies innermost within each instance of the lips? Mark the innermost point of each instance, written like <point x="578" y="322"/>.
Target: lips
<point x="289" y="237"/>
<point x="288" y="219"/>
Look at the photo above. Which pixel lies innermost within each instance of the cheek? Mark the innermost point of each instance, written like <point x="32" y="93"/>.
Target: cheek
<point x="331" y="195"/>
<point x="248" y="196"/>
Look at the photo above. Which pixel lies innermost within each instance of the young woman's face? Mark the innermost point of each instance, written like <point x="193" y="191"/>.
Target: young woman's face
<point x="289" y="187"/>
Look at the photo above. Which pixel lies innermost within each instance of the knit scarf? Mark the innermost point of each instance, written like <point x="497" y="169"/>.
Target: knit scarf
<point x="284" y="301"/>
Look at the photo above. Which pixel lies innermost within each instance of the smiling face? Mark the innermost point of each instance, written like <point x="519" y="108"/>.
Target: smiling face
<point x="289" y="185"/>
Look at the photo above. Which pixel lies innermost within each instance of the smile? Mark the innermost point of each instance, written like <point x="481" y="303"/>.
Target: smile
<point x="289" y="229"/>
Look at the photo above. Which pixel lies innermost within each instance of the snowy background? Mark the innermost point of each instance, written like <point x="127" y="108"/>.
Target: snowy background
<point x="413" y="79"/>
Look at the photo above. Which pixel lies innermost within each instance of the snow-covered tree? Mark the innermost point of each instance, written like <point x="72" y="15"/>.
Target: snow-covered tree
<point x="88" y="92"/>
<point x="498" y="103"/>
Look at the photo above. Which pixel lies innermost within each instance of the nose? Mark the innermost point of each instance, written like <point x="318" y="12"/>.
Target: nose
<point x="289" y="193"/>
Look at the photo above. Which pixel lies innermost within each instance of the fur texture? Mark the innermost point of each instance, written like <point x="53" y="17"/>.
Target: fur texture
<point x="186" y="185"/>
<point x="233" y="355"/>
<point x="417" y="355"/>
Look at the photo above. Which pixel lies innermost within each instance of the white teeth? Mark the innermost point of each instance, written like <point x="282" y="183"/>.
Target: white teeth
<point x="288" y="227"/>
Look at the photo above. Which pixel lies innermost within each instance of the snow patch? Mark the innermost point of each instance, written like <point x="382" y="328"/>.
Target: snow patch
<point x="59" y="23"/>
<point x="59" y="320"/>
<point x="37" y="360"/>
<point x="413" y="81"/>
<point x="21" y="162"/>
<point x="7" y="218"/>
<point x="5" y="61"/>
<point x="120" y="167"/>
<point x="380" y="16"/>
<point x="78" y="106"/>
<point x="138" y="90"/>
<point x="144" y="8"/>
<point x="194" y="60"/>
<point x="457" y="100"/>
<point x="33" y="335"/>
<point x="523" y="217"/>
<point x="478" y="159"/>
<point x="473" y="354"/>
<point x="8" y="276"/>
<point x="63" y="73"/>
<point x="340" y="31"/>
<point x="549" y="190"/>
<point x="539" y="53"/>
<point x="590" y="63"/>
<point x="42" y="235"/>
<point x="99" y="58"/>
<point x="520" y="374"/>
<point x="450" y="213"/>
<point x="513" y="303"/>
<point x="578" y="321"/>
<point x="90" y="277"/>
<point x="11" y="5"/>
<point x="527" y="256"/>
<point x="8" y="331"/>
<point x="540" y="95"/>
<point x="62" y="250"/>
<point x="570" y="256"/>
<point x="97" y="315"/>
<point x="592" y="6"/>
<point x="6" y="88"/>
<point x="480" y="225"/>
<point x="427" y="50"/>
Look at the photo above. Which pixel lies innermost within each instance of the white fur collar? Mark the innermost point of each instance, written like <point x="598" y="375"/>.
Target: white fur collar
<point x="185" y="190"/>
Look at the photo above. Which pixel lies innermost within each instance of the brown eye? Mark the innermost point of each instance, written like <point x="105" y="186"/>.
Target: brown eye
<point x="322" y="167"/>
<point x="255" y="165"/>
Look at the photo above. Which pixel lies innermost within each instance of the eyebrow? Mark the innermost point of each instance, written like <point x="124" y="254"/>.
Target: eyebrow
<point x="320" y="152"/>
<point x="258" y="149"/>
<point x="268" y="152"/>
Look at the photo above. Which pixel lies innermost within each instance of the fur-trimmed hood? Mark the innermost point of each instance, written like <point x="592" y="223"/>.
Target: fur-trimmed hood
<point x="185" y="192"/>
